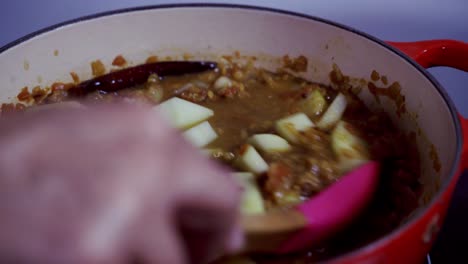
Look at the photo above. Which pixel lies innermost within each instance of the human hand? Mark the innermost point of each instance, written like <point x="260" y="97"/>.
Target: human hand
<point x="112" y="184"/>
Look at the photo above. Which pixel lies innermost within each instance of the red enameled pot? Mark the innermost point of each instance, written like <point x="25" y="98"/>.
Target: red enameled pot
<point x="205" y="31"/>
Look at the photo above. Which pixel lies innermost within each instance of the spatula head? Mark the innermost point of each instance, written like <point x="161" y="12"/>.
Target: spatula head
<point x="335" y="207"/>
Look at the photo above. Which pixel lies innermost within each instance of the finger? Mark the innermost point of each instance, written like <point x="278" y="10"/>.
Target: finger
<point x="157" y="242"/>
<point x="208" y="210"/>
<point x="202" y="181"/>
<point x="206" y="241"/>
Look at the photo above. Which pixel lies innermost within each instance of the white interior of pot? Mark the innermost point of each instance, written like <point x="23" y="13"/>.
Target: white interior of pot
<point x="215" y="30"/>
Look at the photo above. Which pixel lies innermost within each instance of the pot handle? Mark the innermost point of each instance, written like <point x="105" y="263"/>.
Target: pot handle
<point x="464" y="124"/>
<point x="431" y="53"/>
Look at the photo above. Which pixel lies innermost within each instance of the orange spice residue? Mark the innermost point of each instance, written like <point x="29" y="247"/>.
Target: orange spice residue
<point x="38" y="94"/>
<point x="8" y="108"/>
<point x="24" y="95"/>
<point x="384" y="79"/>
<point x="75" y="77"/>
<point x="375" y="76"/>
<point x="187" y="56"/>
<point x="243" y="149"/>
<point x="11" y="108"/>
<point x="98" y="68"/>
<point x="298" y="64"/>
<point x="393" y="92"/>
<point x="119" y="61"/>
<point x="152" y="59"/>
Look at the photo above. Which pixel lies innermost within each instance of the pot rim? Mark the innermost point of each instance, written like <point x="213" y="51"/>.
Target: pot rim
<point x="453" y="112"/>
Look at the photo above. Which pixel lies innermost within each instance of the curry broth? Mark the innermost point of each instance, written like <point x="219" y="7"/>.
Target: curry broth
<point x="251" y="104"/>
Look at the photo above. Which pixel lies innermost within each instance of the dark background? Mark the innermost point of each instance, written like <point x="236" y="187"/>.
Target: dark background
<point x="451" y="245"/>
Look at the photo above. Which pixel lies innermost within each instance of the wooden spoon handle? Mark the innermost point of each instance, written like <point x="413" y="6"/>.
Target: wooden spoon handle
<point x="268" y="232"/>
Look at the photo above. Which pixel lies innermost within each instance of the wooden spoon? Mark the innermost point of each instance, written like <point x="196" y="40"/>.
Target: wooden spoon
<point x="316" y="219"/>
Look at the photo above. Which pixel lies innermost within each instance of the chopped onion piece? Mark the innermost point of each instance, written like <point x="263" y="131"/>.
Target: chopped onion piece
<point x="183" y="114"/>
<point x="250" y="160"/>
<point x="251" y="201"/>
<point x="333" y="113"/>
<point x="314" y="104"/>
<point x="222" y="83"/>
<point x="269" y="143"/>
<point x="201" y="134"/>
<point x="289" y="127"/>
<point x="350" y="149"/>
